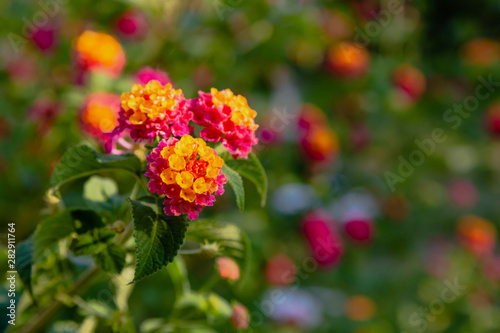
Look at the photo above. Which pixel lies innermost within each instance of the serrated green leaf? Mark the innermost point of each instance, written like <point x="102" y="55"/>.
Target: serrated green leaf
<point x="24" y="261"/>
<point x="232" y="240"/>
<point x="50" y="231"/>
<point x="111" y="258"/>
<point x="236" y="183"/>
<point x="82" y="161"/>
<point x="158" y="238"/>
<point x="250" y="168"/>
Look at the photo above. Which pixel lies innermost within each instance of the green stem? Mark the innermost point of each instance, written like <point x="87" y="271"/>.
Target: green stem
<point x="210" y="283"/>
<point x="43" y="317"/>
<point x="190" y="251"/>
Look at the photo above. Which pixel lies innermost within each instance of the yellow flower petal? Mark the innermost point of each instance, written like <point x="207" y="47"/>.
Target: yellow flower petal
<point x="188" y="194"/>
<point x="168" y="176"/>
<point x="176" y="162"/>
<point x="184" y="179"/>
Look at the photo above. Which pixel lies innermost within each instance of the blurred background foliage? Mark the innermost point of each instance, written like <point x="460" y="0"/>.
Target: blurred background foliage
<point x="335" y="119"/>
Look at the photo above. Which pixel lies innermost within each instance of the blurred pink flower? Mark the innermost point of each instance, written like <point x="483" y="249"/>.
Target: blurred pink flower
<point x="280" y="270"/>
<point x="132" y="24"/>
<point x="228" y="268"/>
<point x="324" y="242"/>
<point x="146" y="74"/>
<point x="463" y="193"/>
<point x="240" y="316"/>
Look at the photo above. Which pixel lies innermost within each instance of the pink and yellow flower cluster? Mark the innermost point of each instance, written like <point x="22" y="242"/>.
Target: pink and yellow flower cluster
<point x="153" y="109"/>
<point x="228" y="118"/>
<point x="188" y="173"/>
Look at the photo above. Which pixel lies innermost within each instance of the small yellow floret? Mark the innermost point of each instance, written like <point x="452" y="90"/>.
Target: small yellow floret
<point x="184" y="179"/>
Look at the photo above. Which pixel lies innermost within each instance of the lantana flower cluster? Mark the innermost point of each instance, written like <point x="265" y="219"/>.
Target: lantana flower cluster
<point x="227" y="118"/>
<point x="187" y="172"/>
<point x="182" y="168"/>
<point x="153" y="109"/>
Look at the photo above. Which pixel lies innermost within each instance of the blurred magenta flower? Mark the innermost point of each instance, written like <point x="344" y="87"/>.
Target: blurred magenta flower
<point x="132" y="24"/>
<point x="146" y="74"/>
<point x="359" y="229"/>
<point x="324" y="241"/>
<point x="44" y="37"/>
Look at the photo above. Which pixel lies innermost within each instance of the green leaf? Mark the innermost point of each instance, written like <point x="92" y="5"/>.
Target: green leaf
<point x="234" y="179"/>
<point x="252" y="169"/>
<point x="82" y="161"/>
<point x="158" y="237"/>
<point x="24" y="261"/>
<point x="92" y="242"/>
<point x="111" y="258"/>
<point x="50" y="231"/>
<point x="232" y="240"/>
<point x="85" y="220"/>
<point x="99" y="243"/>
<point x="99" y="189"/>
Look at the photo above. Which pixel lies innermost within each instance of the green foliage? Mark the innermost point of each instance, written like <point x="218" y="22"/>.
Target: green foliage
<point x="24" y="262"/>
<point x="250" y="168"/>
<point x="99" y="189"/>
<point x="230" y="240"/>
<point x="158" y="237"/>
<point x="236" y="183"/>
<point x="111" y="258"/>
<point x="196" y="306"/>
<point x="50" y="231"/>
<point x="99" y="243"/>
<point x="81" y="161"/>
